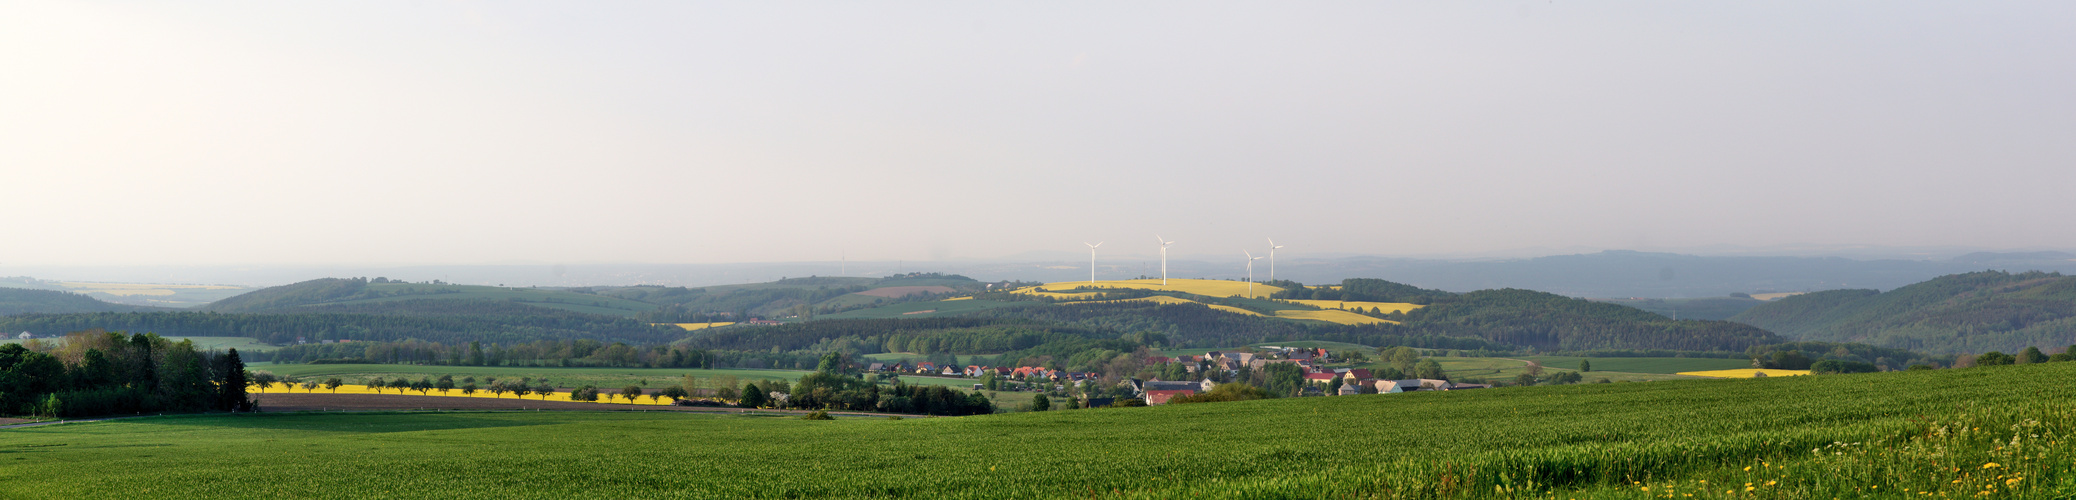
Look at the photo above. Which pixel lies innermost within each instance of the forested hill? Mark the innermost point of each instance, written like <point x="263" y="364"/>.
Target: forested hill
<point x="1961" y="313"/>
<point x="24" y="301"/>
<point x="354" y="292"/>
<point x="1555" y="322"/>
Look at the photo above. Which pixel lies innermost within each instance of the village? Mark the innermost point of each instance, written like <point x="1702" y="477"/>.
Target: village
<point x="1202" y="373"/>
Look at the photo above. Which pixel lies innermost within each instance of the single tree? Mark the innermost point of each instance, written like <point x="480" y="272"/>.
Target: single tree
<point x="1040" y="403"/>
<point x="400" y="384"/>
<point x="2026" y="357"/>
<point x="422" y="385"/>
<point x="264" y="379"/>
<point x="377" y="384"/>
<point x="468" y="390"/>
<point x="311" y="386"/>
<point x="497" y="390"/>
<point x="752" y="397"/>
<point x="675" y="393"/>
<point x="631" y="392"/>
<point x="1430" y="369"/>
<point x="544" y="390"/>
<point x="446" y="383"/>
<point x="333" y="384"/>
<point x="1585" y="365"/>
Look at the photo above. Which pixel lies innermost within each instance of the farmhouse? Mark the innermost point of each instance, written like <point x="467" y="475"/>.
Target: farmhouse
<point x="1410" y="385"/>
<point x="26" y="336"/>
<point x="1162" y="397"/>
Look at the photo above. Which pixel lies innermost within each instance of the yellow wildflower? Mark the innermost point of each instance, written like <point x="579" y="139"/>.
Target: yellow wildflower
<point x="1991" y="465"/>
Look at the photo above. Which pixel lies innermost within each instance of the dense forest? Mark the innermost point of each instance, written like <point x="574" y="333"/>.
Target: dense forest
<point x="98" y="373"/>
<point x="1962" y="313"/>
<point x="1547" y="321"/>
<point x="490" y="321"/>
<point x="29" y="301"/>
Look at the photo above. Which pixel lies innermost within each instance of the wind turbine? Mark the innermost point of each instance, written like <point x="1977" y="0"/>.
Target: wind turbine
<point x="1272" y="258"/>
<point x="1250" y="272"/>
<point x="1164" y="257"/>
<point x="1092" y="261"/>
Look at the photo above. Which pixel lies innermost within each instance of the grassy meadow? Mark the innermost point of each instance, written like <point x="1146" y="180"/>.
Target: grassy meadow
<point x="1503" y="369"/>
<point x="1997" y="432"/>
<point x="1641" y="365"/>
<point x="655" y="378"/>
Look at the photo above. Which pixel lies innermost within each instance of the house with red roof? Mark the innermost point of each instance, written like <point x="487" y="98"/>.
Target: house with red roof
<point x="1162" y="397"/>
<point x="1321" y="378"/>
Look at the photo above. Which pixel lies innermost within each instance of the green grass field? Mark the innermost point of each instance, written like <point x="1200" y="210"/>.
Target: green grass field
<point x="1642" y="365"/>
<point x="1503" y="369"/>
<point x="565" y="377"/>
<point x="2000" y="432"/>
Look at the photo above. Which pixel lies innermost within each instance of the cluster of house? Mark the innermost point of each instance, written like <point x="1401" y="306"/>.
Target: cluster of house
<point x="976" y="371"/>
<point x="1311" y="360"/>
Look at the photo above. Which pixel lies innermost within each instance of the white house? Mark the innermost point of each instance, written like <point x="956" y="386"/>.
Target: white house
<point x="25" y="336"/>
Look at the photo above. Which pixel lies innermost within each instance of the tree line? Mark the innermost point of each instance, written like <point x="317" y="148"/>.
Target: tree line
<point x="102" y="373"/>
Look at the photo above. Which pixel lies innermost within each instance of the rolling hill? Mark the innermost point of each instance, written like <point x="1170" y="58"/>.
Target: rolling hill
<point x="1961" y="313"/>
<point x="26" y="301"/>
<point x="358" y="292"/>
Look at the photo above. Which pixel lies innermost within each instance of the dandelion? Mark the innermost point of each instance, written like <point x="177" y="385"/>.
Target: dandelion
<point x="1991" y="465"/>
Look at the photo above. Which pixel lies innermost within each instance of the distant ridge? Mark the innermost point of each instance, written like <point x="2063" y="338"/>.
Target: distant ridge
<point x="26" y="301"/>
<point x="1960" y="313"/>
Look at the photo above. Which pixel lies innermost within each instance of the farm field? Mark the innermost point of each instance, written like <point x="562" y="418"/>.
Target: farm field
<point x="1746" y="373"/>
<point x="1210" y="288"/>
<point x="1384" y="307"/>
<point x="1949" y="433"/>
<point x="700" y="326"/>
<point x="1498" y="369"/>
<point x="657" y="378"/>
<point x="1642" y="365"/>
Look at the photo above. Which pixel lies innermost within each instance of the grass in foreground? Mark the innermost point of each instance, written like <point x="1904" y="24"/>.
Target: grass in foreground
<point x="2000" y="432"/>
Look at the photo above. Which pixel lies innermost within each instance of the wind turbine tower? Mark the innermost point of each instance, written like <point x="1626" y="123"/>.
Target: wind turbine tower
<point x="1092" y="261"/>
<point x="1164" y="257"/>
<point x="1272" y="258"/>
<point x="1250" y="272"/>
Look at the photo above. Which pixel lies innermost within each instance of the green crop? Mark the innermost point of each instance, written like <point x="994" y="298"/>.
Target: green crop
<point x="1846" y="436"/>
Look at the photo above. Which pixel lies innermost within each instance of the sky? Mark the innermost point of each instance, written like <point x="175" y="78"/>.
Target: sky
<point x="277" y="133"/>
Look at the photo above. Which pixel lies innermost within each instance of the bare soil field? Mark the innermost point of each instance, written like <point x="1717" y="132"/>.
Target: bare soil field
<point x="895" y="292"/>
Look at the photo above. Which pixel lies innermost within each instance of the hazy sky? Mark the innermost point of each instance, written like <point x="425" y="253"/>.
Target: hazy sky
<point x="513" y="132"/>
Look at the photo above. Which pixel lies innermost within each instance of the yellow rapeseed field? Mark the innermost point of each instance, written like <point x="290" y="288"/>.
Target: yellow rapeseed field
<point x="1212" y="288"/>
<point x="456" y="393"/>
<point x="1746" y="373"/>
<point x="1385" y="307"/>
<point x="1331" y="316"/>
<point x="699" y="326"/>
